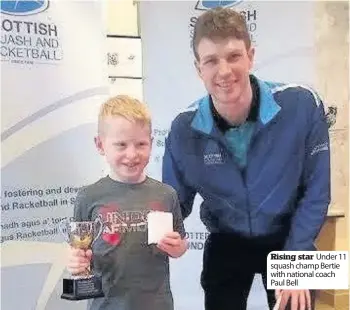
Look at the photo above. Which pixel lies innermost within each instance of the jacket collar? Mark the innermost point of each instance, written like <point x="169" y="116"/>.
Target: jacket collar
<point x="268" y="109"/>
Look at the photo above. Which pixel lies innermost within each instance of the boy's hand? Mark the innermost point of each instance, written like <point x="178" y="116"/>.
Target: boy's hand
<point x="78" y="260"/>
<point x="173" y="245"/>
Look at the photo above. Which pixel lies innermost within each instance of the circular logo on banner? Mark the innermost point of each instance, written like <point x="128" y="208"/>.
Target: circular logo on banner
<point x="204" y="5"/>
<point x="24" y="7"/>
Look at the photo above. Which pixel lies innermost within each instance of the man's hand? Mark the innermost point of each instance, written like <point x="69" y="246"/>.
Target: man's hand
<point x="173" y="245"/>
<point x="78" y="261"/>
<point x="299" y="299"/>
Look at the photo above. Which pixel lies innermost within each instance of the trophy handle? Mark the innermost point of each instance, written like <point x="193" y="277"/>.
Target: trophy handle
<point x="98" y="222"/>
<point x="63" y="229"/>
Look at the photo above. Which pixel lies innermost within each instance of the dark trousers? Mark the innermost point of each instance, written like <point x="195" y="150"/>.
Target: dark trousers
<point x="229" y="265"/>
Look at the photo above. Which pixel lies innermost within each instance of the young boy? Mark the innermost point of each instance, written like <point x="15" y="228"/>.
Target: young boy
<point x="135" y="275"/>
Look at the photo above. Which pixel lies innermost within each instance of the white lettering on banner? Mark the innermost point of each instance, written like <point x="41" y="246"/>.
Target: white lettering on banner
<point x="308" y="270"/>
<point x="26" y="42"/>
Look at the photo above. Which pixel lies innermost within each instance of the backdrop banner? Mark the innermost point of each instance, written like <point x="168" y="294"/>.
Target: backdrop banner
<point x="53" y="64"/>
<point x="283" y="34"/>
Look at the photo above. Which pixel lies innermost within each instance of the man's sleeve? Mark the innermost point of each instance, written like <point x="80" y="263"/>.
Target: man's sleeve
<point x="313" y="206"/>
<point x="177" y="216"/>
<point x="174" y="176"/>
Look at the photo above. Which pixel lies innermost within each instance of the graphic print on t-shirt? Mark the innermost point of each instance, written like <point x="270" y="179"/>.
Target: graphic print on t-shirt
<point x="118" y="222"/>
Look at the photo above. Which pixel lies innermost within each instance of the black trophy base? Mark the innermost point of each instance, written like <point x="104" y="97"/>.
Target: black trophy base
<point x="79" y="289"/>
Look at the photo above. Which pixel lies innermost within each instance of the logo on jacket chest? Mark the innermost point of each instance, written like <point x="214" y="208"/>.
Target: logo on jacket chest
<point x="213" y="159"/>
<point x="213" y="154"/>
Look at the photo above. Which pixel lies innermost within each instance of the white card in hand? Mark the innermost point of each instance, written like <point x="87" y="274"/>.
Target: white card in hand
<point x="159" y="223"/>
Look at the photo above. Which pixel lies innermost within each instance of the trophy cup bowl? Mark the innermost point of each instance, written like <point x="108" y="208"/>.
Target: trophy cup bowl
<point x="81" y="235"/>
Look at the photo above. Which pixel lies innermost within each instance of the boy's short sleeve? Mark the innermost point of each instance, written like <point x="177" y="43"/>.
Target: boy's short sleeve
<point x="80" y="206"/>
<point x="177" y="217"/>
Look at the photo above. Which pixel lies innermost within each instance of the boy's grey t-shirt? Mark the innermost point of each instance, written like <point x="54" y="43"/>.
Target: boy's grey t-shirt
<point x="135" y="275"/>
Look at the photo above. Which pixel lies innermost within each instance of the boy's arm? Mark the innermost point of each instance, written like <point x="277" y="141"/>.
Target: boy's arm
<point x="312" y="208"/>
<point x="175" y="243"/>
<point x="177" y="216"/>
<point x="179" y="226"/>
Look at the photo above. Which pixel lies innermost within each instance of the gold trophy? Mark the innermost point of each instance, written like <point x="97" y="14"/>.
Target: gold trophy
<point x="81" y="235"/>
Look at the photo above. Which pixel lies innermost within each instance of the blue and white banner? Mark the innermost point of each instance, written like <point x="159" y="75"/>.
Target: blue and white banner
<point x="283" y="34"/>
<point x="54" y="79"/>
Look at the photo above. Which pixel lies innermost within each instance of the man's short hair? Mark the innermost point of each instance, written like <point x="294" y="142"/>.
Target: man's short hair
<point x="220" y="23"/>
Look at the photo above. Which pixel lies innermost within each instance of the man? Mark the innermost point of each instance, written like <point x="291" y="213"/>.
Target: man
<point x="258" y="154"/>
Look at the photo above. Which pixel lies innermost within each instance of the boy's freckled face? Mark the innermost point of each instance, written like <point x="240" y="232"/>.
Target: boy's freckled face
<point x="127" y="148"/>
